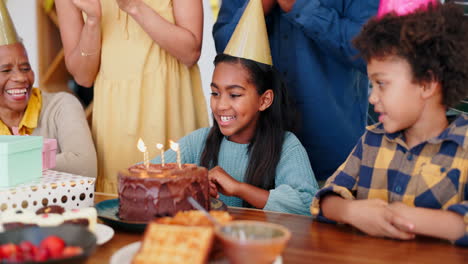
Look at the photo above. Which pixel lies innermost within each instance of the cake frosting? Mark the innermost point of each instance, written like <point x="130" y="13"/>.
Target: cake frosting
<point x="84" y="216"/>
<point x="15" y="218"/>
<point x="160" y="191"/>
<point x="49" y="216"/>
<point x="49" y="219"/>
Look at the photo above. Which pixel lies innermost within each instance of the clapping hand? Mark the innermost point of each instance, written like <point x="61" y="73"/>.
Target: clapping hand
<point x="286" y="5"/>
<point x="128" y="5"/>
<point x="92" y="9"/>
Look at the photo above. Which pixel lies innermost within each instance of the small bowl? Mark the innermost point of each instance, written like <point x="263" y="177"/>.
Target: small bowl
<point x="73" y="235"/>
<point x="252" y="241"/>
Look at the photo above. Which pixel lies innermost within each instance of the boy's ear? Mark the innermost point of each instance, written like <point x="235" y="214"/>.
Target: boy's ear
<point x="431" y="88"/>
<point x="266" y="99"/>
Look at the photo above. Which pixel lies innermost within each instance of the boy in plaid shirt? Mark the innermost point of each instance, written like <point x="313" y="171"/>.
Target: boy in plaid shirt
<point x="409" y="173"/>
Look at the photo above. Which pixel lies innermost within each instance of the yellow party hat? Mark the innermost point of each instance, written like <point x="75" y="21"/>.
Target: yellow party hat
<point x="7" y="29"/>
<point x="250" y="39"/>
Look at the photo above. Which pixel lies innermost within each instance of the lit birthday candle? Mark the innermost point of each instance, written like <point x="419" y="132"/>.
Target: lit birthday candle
<point x="161" y="148"/>
<point x="141" y="146"/>
<point x="175" y="147"/>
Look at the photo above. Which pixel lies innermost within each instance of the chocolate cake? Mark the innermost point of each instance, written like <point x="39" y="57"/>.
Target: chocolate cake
<point x="160" y="191"/>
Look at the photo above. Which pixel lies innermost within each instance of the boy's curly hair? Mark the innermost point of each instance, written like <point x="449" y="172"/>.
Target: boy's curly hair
<point x="434" y="41"/>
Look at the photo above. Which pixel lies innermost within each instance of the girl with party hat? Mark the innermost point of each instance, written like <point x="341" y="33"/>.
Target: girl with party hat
<point x="254" y="159"/>
<point x="409" y="173"/>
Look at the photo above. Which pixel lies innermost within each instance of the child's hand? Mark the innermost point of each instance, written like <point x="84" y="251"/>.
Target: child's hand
<point x="214" y="190"/>
<point x="224" y="182"/>
<point x="399" y="208"/>
<point x="375" y="218"/>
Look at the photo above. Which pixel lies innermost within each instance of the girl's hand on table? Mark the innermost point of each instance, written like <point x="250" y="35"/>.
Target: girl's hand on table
<point x="224" y="183"/>
<point x="214" y="190"/>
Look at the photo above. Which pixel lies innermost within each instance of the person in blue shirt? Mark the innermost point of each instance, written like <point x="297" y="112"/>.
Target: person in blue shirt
<point x="311" y="47"/>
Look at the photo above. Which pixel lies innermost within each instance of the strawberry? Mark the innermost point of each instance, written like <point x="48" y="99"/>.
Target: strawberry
<point x="28" y="249"/>
<point x="42" y="254"/>
<point x="17" y="258"/>
<point x="71" y="251"/>
<point x="9" y="250"/>
<point x="54" y="245"/>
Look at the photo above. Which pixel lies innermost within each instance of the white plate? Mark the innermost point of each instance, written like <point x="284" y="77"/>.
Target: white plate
<point x="125" y="255"/>
<point x="103" y="233"/>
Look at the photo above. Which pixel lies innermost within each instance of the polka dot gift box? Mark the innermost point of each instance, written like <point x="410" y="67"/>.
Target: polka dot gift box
<point x="53" y="188"/>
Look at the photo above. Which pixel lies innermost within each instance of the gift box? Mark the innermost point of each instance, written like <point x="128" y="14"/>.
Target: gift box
<point x="53" y="188"/>
<point x="20" y="159"/>
<point x="49" y="150"/>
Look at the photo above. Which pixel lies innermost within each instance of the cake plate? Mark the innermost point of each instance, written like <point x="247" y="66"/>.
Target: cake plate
<point x="108" y="212"/>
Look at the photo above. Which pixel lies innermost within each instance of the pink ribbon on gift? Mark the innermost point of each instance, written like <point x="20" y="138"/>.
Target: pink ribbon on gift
<point x="402" y="7"/>
<point x="49" y="150"/>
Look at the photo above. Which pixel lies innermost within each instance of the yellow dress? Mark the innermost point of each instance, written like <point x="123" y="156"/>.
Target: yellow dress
<point x="140" y="91"/>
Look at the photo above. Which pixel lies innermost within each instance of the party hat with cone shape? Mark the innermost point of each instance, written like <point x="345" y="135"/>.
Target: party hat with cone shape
<point x="402" y="7"/>
<point x="250" y="39"/>
<point x="7" y="29"/>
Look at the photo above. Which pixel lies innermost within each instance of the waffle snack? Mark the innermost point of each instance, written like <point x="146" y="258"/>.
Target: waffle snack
<point x="174" y="244"/>
<point x="195" y="218"/>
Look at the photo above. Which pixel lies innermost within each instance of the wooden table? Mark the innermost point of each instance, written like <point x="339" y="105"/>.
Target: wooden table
<point x="315" y="242"/>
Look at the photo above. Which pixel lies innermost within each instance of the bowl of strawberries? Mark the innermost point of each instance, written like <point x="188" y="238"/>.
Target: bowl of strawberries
<point x="59" y="244"/>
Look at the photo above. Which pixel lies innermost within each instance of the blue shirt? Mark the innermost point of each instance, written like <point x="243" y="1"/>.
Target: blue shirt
<point x="311" y="47"/>
<point x="295" y="184"/>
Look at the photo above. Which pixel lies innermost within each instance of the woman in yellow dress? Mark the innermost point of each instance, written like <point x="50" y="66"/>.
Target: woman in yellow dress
<point x="141" y="56"/>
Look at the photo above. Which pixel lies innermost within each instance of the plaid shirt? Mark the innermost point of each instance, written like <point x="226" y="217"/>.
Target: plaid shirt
<point x="433" y="174"/>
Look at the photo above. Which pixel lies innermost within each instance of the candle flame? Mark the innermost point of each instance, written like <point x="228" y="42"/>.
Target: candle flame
<point x="141" y="145"/>
<point x="159" y="146"/>
<point x="174" y="145"/>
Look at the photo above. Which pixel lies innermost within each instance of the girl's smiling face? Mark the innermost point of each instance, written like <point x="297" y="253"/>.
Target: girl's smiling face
<point x="235" y="102"/>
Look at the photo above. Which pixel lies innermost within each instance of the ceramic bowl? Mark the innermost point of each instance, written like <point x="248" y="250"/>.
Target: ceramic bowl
<point x="252" y="241"/>
<point x="73" y="235"/>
